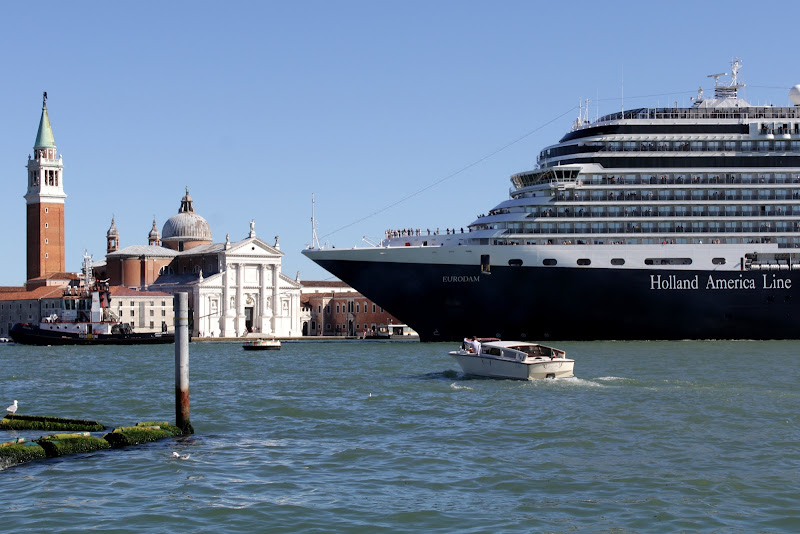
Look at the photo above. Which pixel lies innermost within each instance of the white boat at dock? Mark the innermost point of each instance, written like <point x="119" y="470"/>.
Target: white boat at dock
<point x="514" y="359"/>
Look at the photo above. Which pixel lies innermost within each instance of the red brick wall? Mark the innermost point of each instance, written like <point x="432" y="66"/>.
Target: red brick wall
<point x="45" y="235"/>
<point x="335" y="322"/>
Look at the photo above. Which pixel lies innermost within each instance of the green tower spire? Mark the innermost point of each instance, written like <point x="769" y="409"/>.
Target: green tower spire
<point x="44" y="138"/>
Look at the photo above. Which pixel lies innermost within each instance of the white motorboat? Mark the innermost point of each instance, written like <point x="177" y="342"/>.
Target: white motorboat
<point x="262" y="344"/>
<point x="514" y="359"/>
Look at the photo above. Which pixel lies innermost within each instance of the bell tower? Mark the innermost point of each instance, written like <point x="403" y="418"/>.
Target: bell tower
<point x="45" y="204"/>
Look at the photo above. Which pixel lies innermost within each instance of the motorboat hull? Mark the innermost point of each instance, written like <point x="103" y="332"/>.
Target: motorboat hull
<point x="264" y="346"/>
<point x="530" y="369"/>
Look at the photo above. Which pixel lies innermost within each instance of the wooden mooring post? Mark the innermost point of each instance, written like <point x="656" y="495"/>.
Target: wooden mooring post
<point x="181" y="305"/>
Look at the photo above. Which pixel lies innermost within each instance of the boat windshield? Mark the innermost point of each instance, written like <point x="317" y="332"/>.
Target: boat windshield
<point x="534" y="350"/>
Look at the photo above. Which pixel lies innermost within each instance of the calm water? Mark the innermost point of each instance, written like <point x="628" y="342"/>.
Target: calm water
<point x="390" y="437"/>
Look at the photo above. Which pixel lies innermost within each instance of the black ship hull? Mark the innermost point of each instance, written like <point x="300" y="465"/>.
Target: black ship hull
<point x="28" y="334"/>
<point x="447" y="302"/>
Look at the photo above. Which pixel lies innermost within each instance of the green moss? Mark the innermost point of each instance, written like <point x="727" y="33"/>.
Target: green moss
<point x="163" y="425"/>
<point x="63" y="444"/>
<point x="18" y="453"/>
<point x="40" y="422"/>
<point x="134" y="435"/>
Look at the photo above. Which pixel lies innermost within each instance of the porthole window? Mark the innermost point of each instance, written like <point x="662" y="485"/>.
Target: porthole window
<point x="584" y="261"/>
<point x="515" y="263"/>
<point x="718" y="261"/>
<point x="668" y="261"/>
<point x="549" y="261"/>
<point x="617" y="261"/>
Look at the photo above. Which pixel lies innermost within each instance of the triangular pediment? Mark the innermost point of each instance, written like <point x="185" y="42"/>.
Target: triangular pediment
<point x="252" y="246"/>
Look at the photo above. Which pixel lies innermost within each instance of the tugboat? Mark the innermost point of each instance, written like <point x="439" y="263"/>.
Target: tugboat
<point x="85" y="318"/>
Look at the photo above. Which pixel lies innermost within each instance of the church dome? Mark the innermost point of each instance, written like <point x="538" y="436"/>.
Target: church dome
<point x="186" y="227"/>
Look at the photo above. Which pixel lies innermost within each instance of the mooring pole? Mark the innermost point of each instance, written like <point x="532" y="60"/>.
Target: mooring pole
<point x="181" y="307"/>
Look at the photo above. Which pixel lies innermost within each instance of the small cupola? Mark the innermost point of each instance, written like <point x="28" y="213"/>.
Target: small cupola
<point x="112" y="238"/>
<point x="154" y="238"/>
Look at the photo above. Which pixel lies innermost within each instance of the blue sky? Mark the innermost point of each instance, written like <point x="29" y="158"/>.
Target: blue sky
<point x="373" y="107"/>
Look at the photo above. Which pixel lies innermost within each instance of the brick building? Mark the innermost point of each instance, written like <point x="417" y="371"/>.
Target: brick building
<point x="332" y="308"/>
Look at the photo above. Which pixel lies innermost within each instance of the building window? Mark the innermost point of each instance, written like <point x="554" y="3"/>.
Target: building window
<point x="47" y="225"/>
<point x="133" y="312"/>
<point x="373" y="308"/>
<point x="152" y="325"/>
<point x="163" y="313"/>
<point x="152" y="313"/>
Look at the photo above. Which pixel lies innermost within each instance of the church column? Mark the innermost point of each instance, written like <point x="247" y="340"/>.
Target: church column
<point x="223" y="311"/>
<point x="240" y="326"/>
<point x="262" y="305"/>
<point x="276" y="304"/>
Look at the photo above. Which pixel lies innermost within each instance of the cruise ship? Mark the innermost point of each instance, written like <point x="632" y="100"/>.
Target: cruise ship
<point x="648" y="223"/>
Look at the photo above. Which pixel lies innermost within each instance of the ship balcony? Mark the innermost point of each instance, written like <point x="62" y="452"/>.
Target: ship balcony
<point x="694" y="195"/>
<point x="685" y="226"/>
<point x="736" y="212"/>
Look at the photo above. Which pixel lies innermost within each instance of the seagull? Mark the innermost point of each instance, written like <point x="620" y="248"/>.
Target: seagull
<point x="12" y="409"/>
<point x="175" y="454"/>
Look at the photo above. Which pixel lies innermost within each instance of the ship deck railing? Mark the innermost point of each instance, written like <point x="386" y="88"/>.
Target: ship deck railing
<point x="738" y="113"/>
<point x="689" y="179"/>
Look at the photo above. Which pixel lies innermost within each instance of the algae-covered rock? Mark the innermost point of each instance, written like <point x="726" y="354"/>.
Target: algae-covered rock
<point x="41" y="422"/>
<point x="63" y="444"/>
<point x="134" y="435"/>
<point x="163" y="425"/>
<point x="19" y="453"/>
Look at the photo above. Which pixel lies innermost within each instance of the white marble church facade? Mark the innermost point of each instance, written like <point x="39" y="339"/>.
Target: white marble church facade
<point x="235" y="288"/>
<point x="249" y="294"/>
